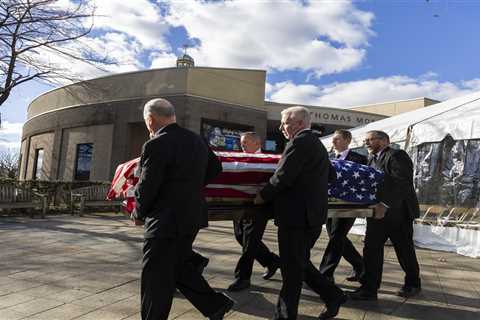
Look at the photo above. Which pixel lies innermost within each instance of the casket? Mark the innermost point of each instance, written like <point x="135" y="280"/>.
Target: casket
<point x="231" y="194"/>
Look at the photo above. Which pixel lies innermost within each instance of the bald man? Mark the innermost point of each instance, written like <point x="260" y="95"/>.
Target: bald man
<point x="169" y="201"/>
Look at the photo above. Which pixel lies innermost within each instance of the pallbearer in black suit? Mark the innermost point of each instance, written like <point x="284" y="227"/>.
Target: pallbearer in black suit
<point x="299" y="192"/>
<point x="170" y="203"/>
<point x="249" y="233"/>
<point x="214" y="168"/>
<point x="339" y="245"/>
<point x="393" y="219"/>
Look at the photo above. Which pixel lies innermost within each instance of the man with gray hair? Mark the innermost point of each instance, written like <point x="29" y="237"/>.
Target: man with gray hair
<point x="299" y="192"/>
<point x="249" y="232"/>
<point x="393" y="219"/>
<point x="175" y="165"/>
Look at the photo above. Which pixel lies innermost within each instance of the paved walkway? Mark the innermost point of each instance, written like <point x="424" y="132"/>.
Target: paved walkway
<point x="88" y="267"/>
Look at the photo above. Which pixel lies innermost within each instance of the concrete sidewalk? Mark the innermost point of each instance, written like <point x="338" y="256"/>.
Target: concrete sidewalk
<point x="65" y="267"/>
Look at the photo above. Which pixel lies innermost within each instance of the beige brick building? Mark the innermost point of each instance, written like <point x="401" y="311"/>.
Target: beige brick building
<point x="84" y="130"/>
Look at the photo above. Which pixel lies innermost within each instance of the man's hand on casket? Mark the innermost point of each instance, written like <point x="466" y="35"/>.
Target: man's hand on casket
<point x="258" y="200"/>
<point x="379" y="211"/>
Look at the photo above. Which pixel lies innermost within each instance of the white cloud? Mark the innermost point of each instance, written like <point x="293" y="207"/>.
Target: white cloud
<point x="123" y="31"/>
<point x="10" y="136"/>
<point x="115" y="47"/>
<point x="118" y="46"/>
<point x="141" y="19"/>
<point x="370" y="91"/>
<point x="9" y="128"/>
<point x="268" y="89"/>
<point x="9" y="147"/>
<point x="474" y="84"/>
<point x="318" y="36"/>
<point x="288" y="92"/>
<point x="162" y="60"/>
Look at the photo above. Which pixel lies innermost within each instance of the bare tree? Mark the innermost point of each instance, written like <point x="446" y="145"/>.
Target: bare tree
<point x="9" y="162"/>
<point x="31" y="30"/>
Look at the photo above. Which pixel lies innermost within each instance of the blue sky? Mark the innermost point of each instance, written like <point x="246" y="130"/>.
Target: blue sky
<point x="325" y="52"/>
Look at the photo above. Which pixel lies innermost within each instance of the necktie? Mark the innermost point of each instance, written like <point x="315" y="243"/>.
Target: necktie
<point x="374" y="161"/>
<point x="338" y="155"/>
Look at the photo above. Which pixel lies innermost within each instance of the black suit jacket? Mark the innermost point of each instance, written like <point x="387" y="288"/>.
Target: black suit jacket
<point x="169" y="194"/>
<point x="356" y="157"/>
<point x="397" y="190"/>
<point x="299" y="186"/>
<point x="214" y="167"/>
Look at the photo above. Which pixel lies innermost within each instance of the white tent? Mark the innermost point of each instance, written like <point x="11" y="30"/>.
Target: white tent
<point x="459" y="117"/>
<point x="461" y="121"/>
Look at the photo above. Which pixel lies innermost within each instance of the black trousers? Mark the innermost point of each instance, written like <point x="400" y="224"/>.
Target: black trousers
<point x="295" y="245"/>
<point x="399" y="229"/>
<point x="164" y="269"/>
<point x="249" y="234"/>
<point x="196" y="259"/>
<point x="339" y="245"/>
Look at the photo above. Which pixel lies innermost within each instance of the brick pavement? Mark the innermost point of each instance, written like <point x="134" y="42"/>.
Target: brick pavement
<point x="65" y="267"/>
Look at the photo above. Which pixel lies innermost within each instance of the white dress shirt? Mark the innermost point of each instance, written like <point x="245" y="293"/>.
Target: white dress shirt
<point x="342" y="155"/>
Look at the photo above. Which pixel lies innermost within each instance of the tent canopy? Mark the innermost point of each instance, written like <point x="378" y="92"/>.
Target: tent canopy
<point x="458" y="117"/>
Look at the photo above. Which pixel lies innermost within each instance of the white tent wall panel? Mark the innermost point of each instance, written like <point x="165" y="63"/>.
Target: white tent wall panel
<point x="462" y="123"/>
<point x="444" y="142"/>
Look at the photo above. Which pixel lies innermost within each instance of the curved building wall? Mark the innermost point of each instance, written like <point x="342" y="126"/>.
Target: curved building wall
<point x="23" y="158"/>
<point x="116" y="130"/>
<point x="40" y="142"/>
<point x="236" y="86"/>
<point x="129" y="86"/>
<point x="100" y="136"/>
<point x="105" y="117"/>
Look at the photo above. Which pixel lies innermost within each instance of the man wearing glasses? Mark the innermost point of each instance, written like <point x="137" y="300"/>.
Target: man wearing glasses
<point x="393" y="219"/>
<point x="249" y="233"/>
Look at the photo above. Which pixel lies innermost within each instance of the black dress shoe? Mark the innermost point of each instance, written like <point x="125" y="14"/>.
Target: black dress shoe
<point x="220" y="313"/>
<point x="333" y="308"/>
<point x="362" y="294"/>
<point x="239" y="285"/>
<point x="408" y="291"/>
<point x="270" y="271"/>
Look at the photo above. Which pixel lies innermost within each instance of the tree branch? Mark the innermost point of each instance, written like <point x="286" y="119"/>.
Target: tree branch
<point x="31" y="30"/>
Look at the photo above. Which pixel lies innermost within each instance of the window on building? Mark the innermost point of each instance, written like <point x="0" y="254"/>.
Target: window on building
<point x="83" y="162"/>
<point x="223" y="135"/>
<point x="38" y="165"/>
<point x="270" y="145"/>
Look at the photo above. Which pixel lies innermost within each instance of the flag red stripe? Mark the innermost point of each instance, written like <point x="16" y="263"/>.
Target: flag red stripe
<point x="251" y="159"/>
<point x="245" y="177"/>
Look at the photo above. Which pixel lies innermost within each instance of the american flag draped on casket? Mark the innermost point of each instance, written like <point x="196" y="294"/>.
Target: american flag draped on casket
<point x="245" y="174"/>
